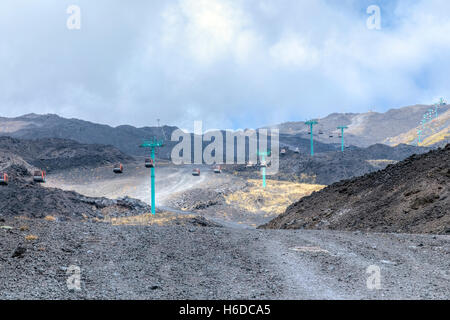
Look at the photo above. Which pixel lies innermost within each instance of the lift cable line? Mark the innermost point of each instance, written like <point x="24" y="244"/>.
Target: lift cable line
<point x="311" y="123"/>
<point x="263" y="164"/>
<point x="162" y="129"/>
<point x="152" y="144"/>
<point x="428" y="117"/>
<point x="342" y="136"/>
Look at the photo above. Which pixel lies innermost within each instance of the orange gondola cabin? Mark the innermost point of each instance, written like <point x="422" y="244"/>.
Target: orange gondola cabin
<point x="118" y="168"/>
<point x="39" y="176"/>
<point x="149" y="163"/>
<point x="4" y="179"/>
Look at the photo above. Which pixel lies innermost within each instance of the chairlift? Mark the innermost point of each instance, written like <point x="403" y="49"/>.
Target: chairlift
<point x="149" y="163"/>
<point x="39" y="176"/>
<point x="4" y="179"/>
<point x="118" y="168"/>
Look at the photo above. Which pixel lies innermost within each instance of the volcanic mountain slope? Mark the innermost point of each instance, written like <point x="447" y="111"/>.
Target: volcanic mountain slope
<point x="125" y="138"/>
<point x="326" y="168"/>
<point x="23" y="198"/>
<point x="411" y="196"/>
<point x="59" y="154"/>
<point x="364" y="129"/>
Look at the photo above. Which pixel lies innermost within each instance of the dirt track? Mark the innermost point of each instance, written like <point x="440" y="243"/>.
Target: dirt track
<point x="133" y="262"/>
<point x="133" y="182"/>
<point x="172" y="182"/>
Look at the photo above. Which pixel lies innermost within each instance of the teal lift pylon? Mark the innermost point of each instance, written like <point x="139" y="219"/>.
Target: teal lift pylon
<point x="152" y="144"/>
<point x="311" y="123"/>
<point x="342" y="136"/>
<point x="263" y="160"/>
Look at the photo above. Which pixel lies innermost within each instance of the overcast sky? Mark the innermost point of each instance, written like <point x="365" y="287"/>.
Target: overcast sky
<point x="232" y="64"/>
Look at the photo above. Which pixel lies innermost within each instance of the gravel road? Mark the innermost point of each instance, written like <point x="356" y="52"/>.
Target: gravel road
<point x="134" y="262"/>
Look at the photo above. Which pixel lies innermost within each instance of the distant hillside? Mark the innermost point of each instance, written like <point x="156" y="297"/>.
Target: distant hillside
<point x="125" y="138"/>
<point x="435" y="132"/>
<point x="364" y="129"/>
<point x="411" y="196"/>
<point x="56" y="154"/>
<point x="328" y="167"/>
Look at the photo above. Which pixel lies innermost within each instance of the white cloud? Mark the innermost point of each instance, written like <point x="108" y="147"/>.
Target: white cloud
<point x="209" y="29"/>
<point x="227" y="62"/>
<point x="293" y="51"/>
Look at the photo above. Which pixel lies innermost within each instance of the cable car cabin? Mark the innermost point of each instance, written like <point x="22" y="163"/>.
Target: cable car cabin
<point x="118" y="168"/>
<point x="149" y="163"/>
<point x="283" y="151"/>
<point x="217" y="169"/>
<point x="39" y="176"/>
<point x="3" y="179"/>
<point x="196" y="172"/>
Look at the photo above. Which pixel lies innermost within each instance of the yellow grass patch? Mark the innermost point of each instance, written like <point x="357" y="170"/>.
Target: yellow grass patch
<point x="50" y="218"/>
<point x="147" y="219"/>
<point x="31" y="237"/>
<point x="272" y="200"/>
<point x="435" y="138"/>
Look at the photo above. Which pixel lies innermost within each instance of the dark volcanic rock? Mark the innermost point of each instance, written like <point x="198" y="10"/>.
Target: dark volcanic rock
<point x="411" y="196"/>
<point x="60" y="154"/>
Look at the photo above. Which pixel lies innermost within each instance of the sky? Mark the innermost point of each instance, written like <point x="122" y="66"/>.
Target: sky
<point x="229" y="63"/>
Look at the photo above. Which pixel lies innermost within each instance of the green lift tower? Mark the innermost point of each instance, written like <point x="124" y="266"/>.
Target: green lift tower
<point x="342" y="136"/>
<point x="263" y="161"/>
<point x="152" y="144"/>
<point x="311" y="124"/>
